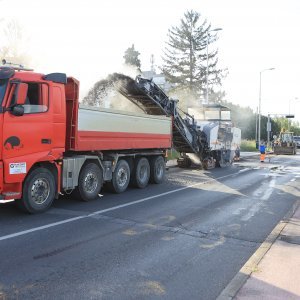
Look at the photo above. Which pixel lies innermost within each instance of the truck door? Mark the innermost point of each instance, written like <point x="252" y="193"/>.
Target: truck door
<point x="27" y="138"/>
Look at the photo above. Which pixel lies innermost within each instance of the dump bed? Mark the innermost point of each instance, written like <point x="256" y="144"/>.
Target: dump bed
<point x="99" y="129"/>
<point x="107" y="129"/>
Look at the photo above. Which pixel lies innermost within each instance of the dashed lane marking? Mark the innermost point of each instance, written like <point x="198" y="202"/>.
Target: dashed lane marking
<point x="24" y="232"/>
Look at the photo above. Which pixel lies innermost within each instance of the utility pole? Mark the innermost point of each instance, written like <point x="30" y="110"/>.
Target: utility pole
<point x="259" y="103"/>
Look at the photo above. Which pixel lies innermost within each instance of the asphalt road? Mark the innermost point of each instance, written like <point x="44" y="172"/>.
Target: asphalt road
<point x="184" y="239"/>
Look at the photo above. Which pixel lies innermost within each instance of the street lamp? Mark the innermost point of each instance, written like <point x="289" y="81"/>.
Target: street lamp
<point x="259" y="103"/>
<point x="207" y="36"/>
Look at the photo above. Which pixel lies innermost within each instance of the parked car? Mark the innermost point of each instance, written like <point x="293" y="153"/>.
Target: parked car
<point x="297" y="140"/>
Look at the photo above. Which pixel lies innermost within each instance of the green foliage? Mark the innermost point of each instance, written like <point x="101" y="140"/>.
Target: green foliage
<point x="185" y="58"/>
<point x="248" y="145"/>
<point x="131" y="57"/>
<point x="245" y="118"/>
<point x="295" y="128"/>
<point x="288" y="125"/>
<point x="173" y="154"/>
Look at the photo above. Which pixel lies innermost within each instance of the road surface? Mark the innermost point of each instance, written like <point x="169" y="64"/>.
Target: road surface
<point x="184" y="239"/>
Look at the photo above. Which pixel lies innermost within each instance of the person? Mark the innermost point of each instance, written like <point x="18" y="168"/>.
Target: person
<point x="237" y="154"/>
<point x="262" y="150"/>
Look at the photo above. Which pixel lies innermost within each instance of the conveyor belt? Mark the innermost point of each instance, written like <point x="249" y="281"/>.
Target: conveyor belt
<point x="152" y="100"/>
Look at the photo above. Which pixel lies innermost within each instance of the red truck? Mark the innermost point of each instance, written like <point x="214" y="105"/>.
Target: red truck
<point x="51" y="145"/>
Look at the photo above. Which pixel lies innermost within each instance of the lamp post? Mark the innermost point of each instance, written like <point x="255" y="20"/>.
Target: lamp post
<point x="268" y="131"/>
<point x="259" y="103"/>
<point x="207" y="36"/>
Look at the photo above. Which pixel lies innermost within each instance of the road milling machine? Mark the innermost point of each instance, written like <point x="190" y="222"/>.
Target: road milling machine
<point x="203" y="134"/>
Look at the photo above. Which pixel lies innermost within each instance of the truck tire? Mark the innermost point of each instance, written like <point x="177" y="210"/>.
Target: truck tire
<point x="120" y="177"/>
<point x="157" y="169"/>
<point x="184" y="162"/>
<point x="38" y="191"/>
<point x="90" y="182"/>
<point x="223" y="158"/>
<point x="141" y="173"/>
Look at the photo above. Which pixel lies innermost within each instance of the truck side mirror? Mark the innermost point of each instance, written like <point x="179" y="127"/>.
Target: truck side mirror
<point x="21" y="93"/>
<point x="17" y="110"/>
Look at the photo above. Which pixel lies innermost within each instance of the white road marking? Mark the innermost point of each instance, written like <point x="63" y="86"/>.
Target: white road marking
<point x="266" y="194"/>
<point x="272" y="175"/>
<point x="9" y="236"/>
<point x="24" y="232"/>
<point x="6" y="201"/>
<point x="243" y="170"/>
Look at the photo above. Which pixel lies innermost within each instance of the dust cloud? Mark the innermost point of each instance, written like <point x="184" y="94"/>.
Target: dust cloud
<point x="104" y="93"/>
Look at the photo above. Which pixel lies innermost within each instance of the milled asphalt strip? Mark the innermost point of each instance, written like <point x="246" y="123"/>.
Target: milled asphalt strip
<point x="24" y="232"/>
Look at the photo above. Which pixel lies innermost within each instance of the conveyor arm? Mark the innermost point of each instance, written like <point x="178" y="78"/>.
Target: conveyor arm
<point x="152" y="100"/>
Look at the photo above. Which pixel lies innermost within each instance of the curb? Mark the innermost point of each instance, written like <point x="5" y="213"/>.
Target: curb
<point x="231" y="290"/>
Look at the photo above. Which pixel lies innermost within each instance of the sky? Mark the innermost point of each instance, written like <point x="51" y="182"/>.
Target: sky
<point x="87" y="40"/>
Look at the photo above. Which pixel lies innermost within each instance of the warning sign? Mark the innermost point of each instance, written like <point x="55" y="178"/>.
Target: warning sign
<point x="17" y="168"/>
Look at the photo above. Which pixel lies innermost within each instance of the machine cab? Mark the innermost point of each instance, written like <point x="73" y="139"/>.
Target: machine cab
<point x="211" y="113"/>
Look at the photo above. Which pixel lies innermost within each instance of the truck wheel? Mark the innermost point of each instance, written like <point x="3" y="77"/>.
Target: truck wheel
<point x="141" y="173"/>
<point x="184" y="162"/>
<point x="120" y="177"/>
<point x="38" y="191"/>
<point x="89" y="182"/>
<point x="157" y="169"/>
<point x="224" y="159"/>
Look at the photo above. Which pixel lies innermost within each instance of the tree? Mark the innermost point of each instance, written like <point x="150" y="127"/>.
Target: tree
<point x="185" y="57"/>
<point x="295" y="128"/>
<point x="216" y="97"/>
<point x="131" y="57"/>
<point x="245" y="119"/>
<point x="13" y="43"/>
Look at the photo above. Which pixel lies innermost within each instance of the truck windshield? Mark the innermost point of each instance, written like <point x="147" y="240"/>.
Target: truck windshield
<point x="3" y="85"/>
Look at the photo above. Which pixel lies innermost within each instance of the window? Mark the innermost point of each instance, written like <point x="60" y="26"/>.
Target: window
<point x="225" y="115"/>
<point x="212" y="114"/>
<point x="37" y="98"/>
<point x="3" y="84"/>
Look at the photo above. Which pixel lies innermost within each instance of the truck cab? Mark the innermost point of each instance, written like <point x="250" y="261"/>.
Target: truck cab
<point x="32" y="129"/>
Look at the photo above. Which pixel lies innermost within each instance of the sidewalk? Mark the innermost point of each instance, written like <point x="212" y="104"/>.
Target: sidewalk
<point x="273" y="271"/>
<point x="277" y="275"/>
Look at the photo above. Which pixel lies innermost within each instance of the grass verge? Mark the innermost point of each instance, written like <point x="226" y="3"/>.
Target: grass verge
<point x="248" y="145"/>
